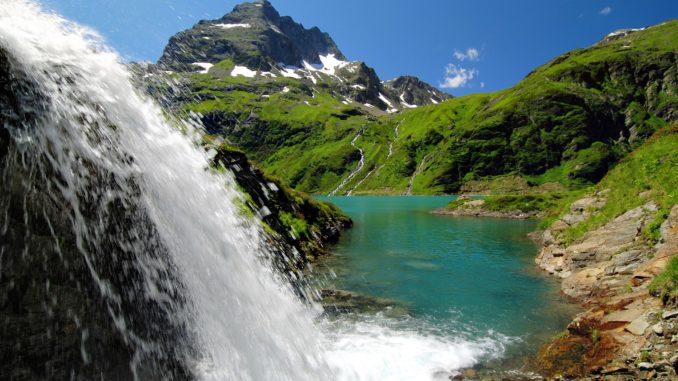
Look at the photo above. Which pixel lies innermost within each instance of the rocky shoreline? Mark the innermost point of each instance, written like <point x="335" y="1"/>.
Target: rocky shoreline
<point x="476" y="208"/>
<point x="626" y="333"/>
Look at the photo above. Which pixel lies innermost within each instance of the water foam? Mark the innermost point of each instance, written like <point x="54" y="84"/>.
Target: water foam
<point x="375" y="348"/>
<point x="244" y="321"/>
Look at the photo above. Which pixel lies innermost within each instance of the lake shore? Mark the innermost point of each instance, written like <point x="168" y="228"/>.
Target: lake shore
<point x="625" y="331"/>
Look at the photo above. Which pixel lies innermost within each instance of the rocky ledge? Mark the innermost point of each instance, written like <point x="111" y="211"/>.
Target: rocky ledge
<point x="626" y="333"/>
<point x="465" y="206"/>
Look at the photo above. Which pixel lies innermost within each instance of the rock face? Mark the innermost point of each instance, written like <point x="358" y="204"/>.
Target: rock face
<point x="278" y="206"/>
<point x="413" y="91"/>
<point x="608" y="270"/>
<point x="474" y="208"/>
<point x="73" y="301"/>
<point x="601" y="257"/>
<point x="57" y="323"/>
<point x="253" y="35"/>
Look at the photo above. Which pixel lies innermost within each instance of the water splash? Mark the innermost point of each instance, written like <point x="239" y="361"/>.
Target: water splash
<point x="100" y="139"/>
<point x="180" y="277"/>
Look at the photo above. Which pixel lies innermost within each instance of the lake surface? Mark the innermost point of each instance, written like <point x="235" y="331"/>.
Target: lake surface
<point x="465" y="277"/>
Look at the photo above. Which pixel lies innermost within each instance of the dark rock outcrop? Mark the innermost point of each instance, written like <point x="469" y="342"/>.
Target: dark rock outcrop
<point x="76" y="263"/>
<point x="413" y="91"/>
<point x="282" y="208"/>
<point x="63" y="306"/>
<point x="253" y="35"/>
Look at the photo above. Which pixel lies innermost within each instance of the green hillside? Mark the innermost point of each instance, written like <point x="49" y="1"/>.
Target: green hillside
<point x="568" y="121"/>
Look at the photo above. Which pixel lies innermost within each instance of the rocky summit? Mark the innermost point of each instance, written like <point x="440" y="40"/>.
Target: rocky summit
<point x="413" y="91"/>
<point x="253" y="35"/>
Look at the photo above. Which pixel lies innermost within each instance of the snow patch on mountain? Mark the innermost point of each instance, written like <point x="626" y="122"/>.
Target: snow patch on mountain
<point x="391" y="109"/>
<point x="404" y="103"/>
<point x="205" y="66"/>
<point x="623" y="32"/>
<point x="243" y="71"/>
<point x="231" y="26"/>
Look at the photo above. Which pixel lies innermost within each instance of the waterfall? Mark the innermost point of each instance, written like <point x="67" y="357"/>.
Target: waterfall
<point x="122" y="256"/>
<point x="100" y="149"/>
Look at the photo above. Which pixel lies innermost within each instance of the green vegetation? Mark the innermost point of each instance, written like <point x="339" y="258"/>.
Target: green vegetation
<point x="512" y="202"/>
<point x="304" y="223"/>
<point x="562" y="123"/>
<point x="645" y="356"/>
<point x="595" y="336"/>
<point x="665" y="285"/>
<point x="546" y="206"/>
<point x="647" y="174"/>
<point x="524" y="203"/>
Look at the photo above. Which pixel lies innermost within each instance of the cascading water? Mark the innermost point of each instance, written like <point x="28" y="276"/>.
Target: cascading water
<point x="97" y="143"/>
<point x="117" y="241"/>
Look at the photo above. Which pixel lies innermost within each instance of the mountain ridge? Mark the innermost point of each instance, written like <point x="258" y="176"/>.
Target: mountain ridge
<point x="253" y="40"/>
<point x="568" y="121"/>
<point x="249" y="29"/>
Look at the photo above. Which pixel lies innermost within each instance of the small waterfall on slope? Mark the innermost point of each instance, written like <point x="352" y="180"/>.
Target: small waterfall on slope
<point x="139" y="247"/>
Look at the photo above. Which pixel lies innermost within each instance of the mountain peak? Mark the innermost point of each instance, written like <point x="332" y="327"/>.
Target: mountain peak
<point x="257" y="9"/>
<point x="253" y="35"/>
<point x="413" y="91"/>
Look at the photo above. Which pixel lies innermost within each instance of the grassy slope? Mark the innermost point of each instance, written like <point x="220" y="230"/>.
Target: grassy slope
<point x="561" y="123"/>
<point x="650" y="173"/>
<point x="301" y="135"/>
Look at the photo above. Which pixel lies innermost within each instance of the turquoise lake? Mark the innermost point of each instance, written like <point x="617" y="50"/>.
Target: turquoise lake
<point x="474" y="276"/>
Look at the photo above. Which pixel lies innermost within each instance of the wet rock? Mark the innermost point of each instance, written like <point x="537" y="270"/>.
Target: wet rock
<point x="336" y="302"/>
<point x="585" y="323"/>
<point x="470" y="373"/>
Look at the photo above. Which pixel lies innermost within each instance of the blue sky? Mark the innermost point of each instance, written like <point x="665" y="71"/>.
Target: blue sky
<point x="461" y="46"/>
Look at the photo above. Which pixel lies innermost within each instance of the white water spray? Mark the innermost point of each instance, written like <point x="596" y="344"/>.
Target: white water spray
<point x="244" y="323"/>
<point x="247" y="325"/>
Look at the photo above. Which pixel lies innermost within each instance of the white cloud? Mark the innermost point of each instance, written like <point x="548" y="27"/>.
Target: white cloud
<point x="606" y="11"/>
<point x="471" y="54"/>
<point x="457" y="76"/>
<point x="482" y="85"/>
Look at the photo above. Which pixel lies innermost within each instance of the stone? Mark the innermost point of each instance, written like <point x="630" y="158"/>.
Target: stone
<point x="661" y="365"/>
<point x="638" y="326"/>
<point x="624" y="315"/>
<point x="627" y="257"/>
<point x="670" y="314"/>
<point x="658" y="329"/>
<point x="559" y="226"/>
<point x="475" y="203"/>
<point x="674" y="361"/>
<point x="674" y="339"/>
<point x="470" y="373"/>
<point x="645" y="366"/>
<point x="614" y="369"/>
